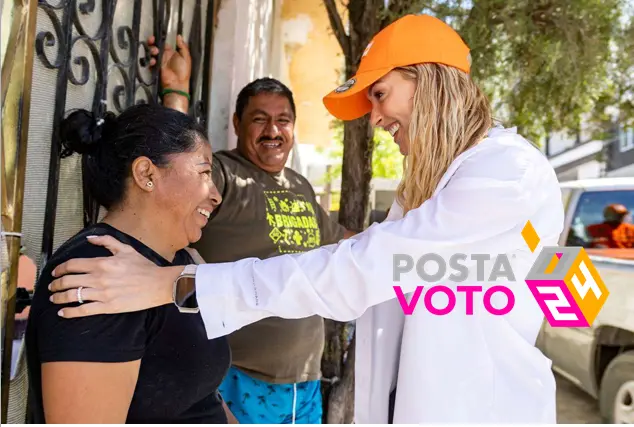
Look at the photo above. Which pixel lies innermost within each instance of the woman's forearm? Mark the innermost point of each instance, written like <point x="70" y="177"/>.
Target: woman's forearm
<point x="342" y="281"/>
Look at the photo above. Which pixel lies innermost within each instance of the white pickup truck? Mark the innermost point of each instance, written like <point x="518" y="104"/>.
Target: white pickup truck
<point x="599" y="359"/>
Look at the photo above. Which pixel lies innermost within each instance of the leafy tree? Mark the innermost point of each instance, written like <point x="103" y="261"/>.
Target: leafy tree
<point x="545" y="64"/>
<point x="616" y="101"/>
<point x="387" y="160"/>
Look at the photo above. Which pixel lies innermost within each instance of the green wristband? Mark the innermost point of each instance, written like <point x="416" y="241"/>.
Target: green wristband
<point x="179" y="92"/>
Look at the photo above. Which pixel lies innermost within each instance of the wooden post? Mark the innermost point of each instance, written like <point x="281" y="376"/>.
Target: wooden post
<point x="17" y="69"/>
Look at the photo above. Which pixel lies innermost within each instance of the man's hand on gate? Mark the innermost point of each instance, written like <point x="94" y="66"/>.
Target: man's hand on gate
<point x="122" y="283"/>
<point x="176" y="65"/>
<point x="176" y="68"/>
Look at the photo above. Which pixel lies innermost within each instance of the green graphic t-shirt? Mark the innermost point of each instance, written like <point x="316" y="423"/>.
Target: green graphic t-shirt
<point x="264" y="215"/>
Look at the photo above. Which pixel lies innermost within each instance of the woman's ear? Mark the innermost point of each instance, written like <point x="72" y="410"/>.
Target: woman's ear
<point x="143" y="173"/>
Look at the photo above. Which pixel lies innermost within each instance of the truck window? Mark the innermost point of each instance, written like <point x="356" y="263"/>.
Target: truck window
<point x="616" y="231"/>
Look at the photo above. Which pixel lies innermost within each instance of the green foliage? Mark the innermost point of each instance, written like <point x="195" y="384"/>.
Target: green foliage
<point x="387" y="160"/>
<point x="545" y="64"/>
<point x="616" y="101"/>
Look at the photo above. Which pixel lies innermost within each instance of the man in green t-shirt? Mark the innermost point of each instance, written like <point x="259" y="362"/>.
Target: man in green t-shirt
<point x="267" y="210"/>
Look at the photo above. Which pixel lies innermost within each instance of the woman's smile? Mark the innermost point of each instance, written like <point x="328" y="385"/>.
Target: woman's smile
<point x="204" y="212"/>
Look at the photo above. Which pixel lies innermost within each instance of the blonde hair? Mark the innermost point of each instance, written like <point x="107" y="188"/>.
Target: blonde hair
<point x="450" y="115"/>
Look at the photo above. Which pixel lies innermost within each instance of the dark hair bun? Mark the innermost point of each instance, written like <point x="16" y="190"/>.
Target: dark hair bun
<point x="81" y="132"/>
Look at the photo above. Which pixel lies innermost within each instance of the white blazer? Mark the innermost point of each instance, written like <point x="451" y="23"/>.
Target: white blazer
<point x="477" y="368"/>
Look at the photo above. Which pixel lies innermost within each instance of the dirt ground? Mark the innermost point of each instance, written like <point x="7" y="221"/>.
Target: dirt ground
<point x="574" y="406"/>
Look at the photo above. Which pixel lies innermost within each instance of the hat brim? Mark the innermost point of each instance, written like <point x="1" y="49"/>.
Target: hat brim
<point x="350" y="100"/>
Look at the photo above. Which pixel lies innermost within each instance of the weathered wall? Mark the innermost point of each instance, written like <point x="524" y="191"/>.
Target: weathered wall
<point x="242" y="52"/>
<point x="314" y="62"/>
<point x="289" y="40"/>
<point x="622" y="154"/>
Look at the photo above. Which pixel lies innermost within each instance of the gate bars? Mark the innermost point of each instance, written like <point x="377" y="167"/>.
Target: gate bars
<point x="25" y="46"/>
<point x="123" y="96"/>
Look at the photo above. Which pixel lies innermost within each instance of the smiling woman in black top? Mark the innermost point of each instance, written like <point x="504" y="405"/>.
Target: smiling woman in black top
<point x="150" y="168"/>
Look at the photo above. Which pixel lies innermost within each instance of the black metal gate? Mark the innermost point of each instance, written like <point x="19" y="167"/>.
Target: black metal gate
<point x="62" y="55"/>
<point x="115" y="51"/>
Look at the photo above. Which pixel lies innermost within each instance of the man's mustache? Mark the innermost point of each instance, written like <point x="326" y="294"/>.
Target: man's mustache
<point x="270" y="138"/>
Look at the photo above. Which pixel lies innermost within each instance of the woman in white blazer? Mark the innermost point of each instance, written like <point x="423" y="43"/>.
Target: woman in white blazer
<point x="468" y="188"/>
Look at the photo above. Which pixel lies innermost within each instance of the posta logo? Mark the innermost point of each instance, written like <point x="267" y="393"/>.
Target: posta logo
<point x="565" y="283"/>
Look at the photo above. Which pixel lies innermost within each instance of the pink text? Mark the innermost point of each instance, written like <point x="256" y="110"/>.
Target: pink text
<point x="408" y="307"/>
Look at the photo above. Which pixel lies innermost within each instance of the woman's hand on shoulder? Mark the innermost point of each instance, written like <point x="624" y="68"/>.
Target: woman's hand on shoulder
<point x="122" y="283"/>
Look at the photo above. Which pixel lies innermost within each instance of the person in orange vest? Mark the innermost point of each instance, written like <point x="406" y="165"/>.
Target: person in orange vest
<point x="613" y="232"/>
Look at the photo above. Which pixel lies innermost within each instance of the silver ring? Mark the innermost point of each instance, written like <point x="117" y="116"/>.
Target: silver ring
<point x="79" y="298"/>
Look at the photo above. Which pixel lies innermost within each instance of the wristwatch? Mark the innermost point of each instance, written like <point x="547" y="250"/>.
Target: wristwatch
<point x="185" y="290"/>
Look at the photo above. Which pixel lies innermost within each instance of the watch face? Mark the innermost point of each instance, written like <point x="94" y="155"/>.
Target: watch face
<point x="186" y="293"/>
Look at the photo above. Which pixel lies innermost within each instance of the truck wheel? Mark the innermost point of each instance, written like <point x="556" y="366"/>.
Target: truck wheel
<point x="616" y="394"/>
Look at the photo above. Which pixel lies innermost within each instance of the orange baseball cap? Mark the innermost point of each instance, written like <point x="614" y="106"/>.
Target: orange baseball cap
<point x="412" y="39"/>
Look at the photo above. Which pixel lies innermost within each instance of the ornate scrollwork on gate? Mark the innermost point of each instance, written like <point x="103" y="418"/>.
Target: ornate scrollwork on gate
<point x="99" y="51"/>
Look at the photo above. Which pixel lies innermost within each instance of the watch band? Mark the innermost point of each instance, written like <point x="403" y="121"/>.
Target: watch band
<point x="179" y="295"/>
<point x="189" y="270"/>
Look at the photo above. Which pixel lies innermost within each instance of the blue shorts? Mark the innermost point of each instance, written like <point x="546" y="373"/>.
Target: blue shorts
<point x="253" y="401"/>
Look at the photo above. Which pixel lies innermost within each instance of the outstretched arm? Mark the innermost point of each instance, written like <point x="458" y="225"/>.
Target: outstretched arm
<point x="337" y="281"/>
<point x="342" y="281"/>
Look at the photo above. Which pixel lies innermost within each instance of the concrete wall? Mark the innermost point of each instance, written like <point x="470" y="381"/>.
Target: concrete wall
<point x="622" y="152"/>
<point x="243" y="47"/>
<point x="289" y="40"/>
<point x="563" y="140"/>
<point x="591" y="169"/>
<point x="588" y="169"/>
<point x="624" y="172"/>
<point x="286" y="39"/>
<point x="314" y="61"/>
